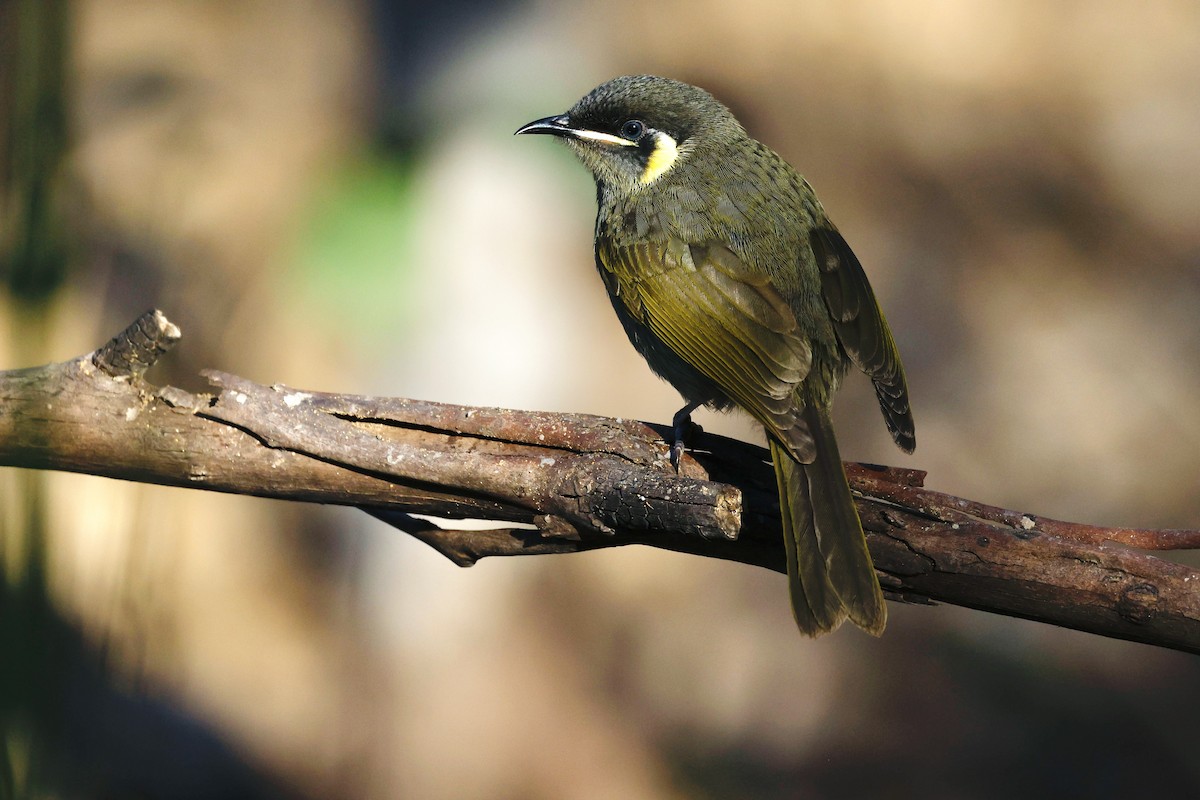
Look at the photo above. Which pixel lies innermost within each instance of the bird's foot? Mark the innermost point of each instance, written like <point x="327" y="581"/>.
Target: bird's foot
<point x="682" y="428"/>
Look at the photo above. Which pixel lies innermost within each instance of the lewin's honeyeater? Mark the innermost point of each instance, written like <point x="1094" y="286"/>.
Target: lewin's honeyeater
<point x="734" y="286"/>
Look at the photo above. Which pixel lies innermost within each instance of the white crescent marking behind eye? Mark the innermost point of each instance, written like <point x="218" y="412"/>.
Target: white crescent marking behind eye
<point x="607" y="138"/>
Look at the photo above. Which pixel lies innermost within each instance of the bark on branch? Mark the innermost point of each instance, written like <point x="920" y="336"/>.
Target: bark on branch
<point x="563" y="483"/>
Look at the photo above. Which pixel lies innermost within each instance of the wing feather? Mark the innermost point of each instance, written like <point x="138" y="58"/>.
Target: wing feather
<point x="863" y="331"/>
<point x="728" y="323"/>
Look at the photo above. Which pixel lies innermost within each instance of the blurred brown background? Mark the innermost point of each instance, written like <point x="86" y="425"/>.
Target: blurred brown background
<point x="327" y="194"/>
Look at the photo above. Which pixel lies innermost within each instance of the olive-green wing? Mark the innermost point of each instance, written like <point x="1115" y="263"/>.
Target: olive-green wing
<point x="863" y="331"/>
<point x="726" y="321"/>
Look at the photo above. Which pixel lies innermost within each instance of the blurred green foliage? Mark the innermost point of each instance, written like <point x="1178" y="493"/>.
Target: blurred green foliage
<point x="356" y="254"/>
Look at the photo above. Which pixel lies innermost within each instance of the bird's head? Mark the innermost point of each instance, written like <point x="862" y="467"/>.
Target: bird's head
<point x="634" y="130"/>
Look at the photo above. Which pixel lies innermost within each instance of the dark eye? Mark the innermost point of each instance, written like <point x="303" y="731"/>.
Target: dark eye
<point x="633" y="129"/>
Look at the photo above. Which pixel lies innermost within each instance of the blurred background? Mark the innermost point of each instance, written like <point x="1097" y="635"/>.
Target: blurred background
<point x="327" y="193"/>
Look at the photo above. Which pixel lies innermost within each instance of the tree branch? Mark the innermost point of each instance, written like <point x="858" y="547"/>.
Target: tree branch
<point x="563" y="483"/>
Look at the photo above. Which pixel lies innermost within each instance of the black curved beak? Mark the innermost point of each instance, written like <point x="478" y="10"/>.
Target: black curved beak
<point x="555" y="126"/>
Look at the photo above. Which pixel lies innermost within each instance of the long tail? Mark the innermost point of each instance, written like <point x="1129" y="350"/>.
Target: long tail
<point x="830" y="574"/>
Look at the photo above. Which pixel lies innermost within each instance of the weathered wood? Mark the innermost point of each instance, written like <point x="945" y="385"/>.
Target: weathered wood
<point x="562" y="483"/>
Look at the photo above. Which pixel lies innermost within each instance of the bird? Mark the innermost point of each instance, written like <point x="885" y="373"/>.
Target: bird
<point x="730" y="280"/>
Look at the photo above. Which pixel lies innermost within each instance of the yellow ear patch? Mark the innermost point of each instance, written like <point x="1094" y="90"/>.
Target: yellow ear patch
<point x="661" y="159"/>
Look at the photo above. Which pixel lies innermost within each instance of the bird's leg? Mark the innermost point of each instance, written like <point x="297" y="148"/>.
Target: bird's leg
<point x="681" y="426"/>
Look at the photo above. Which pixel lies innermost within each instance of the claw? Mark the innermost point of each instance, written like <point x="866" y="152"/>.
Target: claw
<point x="676" y="454"/>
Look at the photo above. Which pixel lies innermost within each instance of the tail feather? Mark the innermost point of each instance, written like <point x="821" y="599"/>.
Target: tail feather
<point x="830" y="573"/>
<point x="815" y="603"/>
